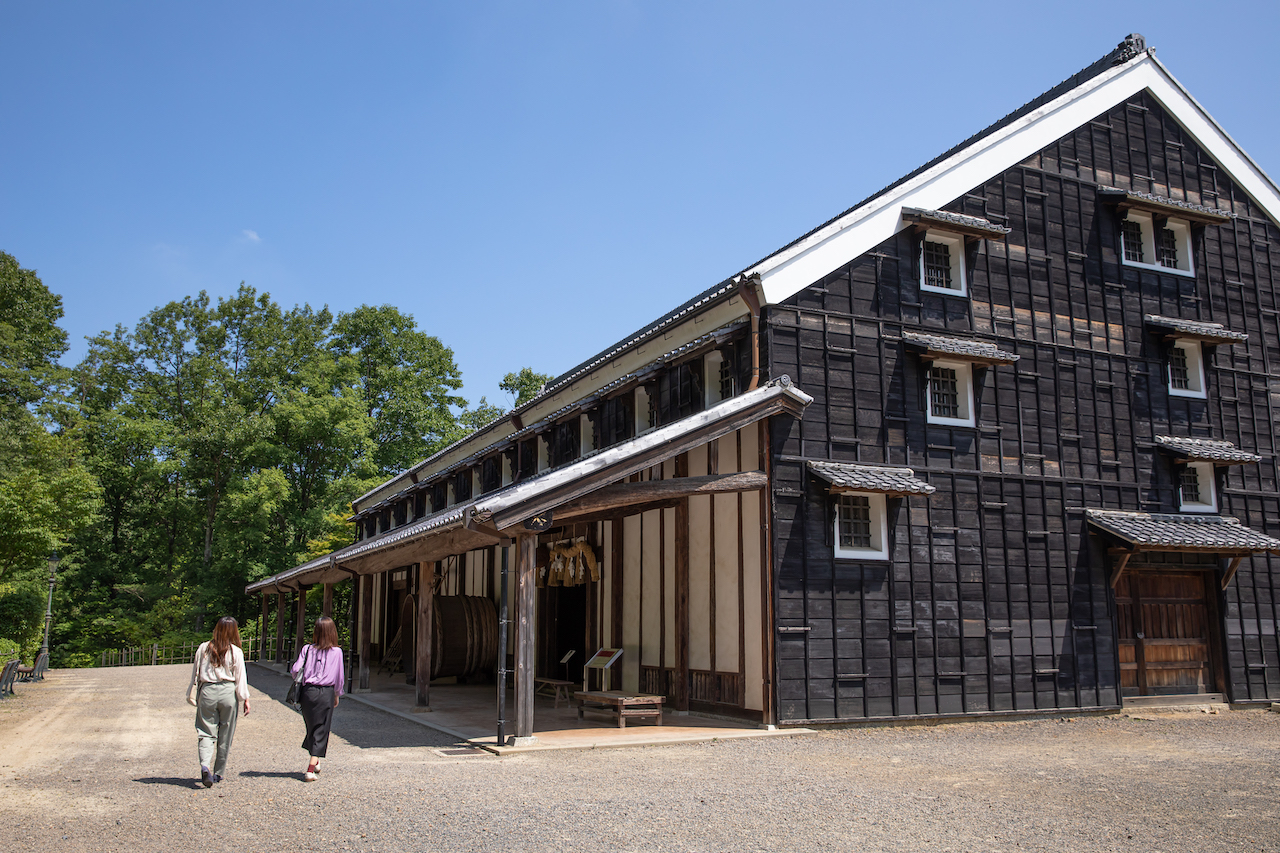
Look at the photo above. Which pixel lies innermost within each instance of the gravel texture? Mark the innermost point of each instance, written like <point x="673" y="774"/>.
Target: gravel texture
<point x="104" y="760"/>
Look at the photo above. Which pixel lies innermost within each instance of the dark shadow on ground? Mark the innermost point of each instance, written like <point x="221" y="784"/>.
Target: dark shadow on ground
<point x="358" y="724"/>
<point x="271" y="775"/>
<point x="180" y="782"/>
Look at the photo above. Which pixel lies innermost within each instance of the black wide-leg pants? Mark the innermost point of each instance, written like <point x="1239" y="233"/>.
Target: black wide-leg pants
<point x="317" y="714"/>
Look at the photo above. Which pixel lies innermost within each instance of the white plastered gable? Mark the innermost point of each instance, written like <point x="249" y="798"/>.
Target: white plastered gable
<point x="800" y="265"/>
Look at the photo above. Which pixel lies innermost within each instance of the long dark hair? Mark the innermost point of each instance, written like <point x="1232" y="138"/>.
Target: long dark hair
<point x="225" y="635"/>
<point x="326" y="635"/>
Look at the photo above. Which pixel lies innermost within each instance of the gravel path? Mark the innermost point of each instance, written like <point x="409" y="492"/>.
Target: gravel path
<point x="104" y="760"/>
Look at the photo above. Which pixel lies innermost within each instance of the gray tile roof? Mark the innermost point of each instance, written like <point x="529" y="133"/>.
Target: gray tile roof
<point x="1205" y="449"/>
<point x="1170" y="532"/>
<point x="958" y="221"/>
<point x="960" y="348"/>
<point x="1164" y="204"/>
<point x="847" y="476"/>
<point x="1198" y="329"/>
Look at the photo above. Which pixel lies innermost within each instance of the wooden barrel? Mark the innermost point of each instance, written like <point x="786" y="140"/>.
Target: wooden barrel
<point x="464" y="635"/>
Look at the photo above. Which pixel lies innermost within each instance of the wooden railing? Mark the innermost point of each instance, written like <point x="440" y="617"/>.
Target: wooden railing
<point x="158" y="655"/>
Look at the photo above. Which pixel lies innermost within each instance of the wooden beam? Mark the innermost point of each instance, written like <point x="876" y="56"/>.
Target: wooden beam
<point x="300" y="619"/>
<point x="526" y="570"/>
<point x="635" y="496"/>
<point x="681" y="698"/>
<point x="365" y="630"/>
<point x="262" y="631"/>
<point x="1118" y="569"/>
<point x="1231" y="570"/>
<point x="279" y="627"/>
<point x="423" y="634"/>
<point x="326" y="608"/>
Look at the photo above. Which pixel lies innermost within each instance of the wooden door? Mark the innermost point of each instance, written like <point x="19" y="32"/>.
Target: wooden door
<point x="1164" y="628"/>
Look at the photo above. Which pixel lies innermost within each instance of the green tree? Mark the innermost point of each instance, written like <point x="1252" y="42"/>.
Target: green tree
<point x="524" y="385"/>
<point x="407" y="378"/>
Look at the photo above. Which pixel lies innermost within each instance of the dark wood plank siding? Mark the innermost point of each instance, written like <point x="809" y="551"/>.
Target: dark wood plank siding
<point x="996" y="598"/>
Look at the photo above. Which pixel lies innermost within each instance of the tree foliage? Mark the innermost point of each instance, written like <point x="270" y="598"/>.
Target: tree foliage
<point x="524" y="384"/>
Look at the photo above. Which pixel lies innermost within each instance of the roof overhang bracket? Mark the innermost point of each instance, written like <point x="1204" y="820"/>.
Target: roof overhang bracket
<point x="1230" y="573"/>
<point x="1121" y="556"/>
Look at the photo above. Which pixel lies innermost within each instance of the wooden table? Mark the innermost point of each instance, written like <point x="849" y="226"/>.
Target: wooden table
<point x="562" y="689"/>
<point x="622" y="704"/>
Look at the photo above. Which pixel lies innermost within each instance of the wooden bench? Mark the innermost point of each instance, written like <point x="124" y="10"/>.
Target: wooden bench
<point x="7" y="676"/>
<point x="558" y="687"/>
<point x="622" y="704"/>
<point x="36" y="671"/>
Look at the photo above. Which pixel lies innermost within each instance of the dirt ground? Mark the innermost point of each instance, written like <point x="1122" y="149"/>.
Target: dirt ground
<point x="104" y="760"/>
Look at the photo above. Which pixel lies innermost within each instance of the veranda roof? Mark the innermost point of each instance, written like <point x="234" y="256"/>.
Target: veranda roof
<point x="1147" y="531"/>
<point x="851" y="477"/>
<point x="475" y="523"/>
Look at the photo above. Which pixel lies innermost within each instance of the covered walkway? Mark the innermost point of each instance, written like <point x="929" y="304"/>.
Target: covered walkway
<point x="466" y="711"/>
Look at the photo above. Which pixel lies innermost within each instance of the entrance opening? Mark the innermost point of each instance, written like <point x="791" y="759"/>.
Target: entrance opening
<point x="1165" y="629"/>
<point x="562" y="629"/>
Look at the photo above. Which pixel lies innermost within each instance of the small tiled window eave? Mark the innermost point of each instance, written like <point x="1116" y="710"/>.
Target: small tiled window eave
<point x="955" y="223"/>
<point x="1205" y="450"/>
<point x="876" y="479"/>
<point x="940" y="348"/>
<point x="1174" y="328"/>
<point x="1158" y="205"/>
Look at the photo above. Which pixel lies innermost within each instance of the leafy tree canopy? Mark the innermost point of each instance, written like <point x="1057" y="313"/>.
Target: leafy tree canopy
<point x="524" y="385"/>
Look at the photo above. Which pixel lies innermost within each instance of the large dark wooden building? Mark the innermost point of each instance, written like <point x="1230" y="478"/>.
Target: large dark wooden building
<point x="1001" y="438"/>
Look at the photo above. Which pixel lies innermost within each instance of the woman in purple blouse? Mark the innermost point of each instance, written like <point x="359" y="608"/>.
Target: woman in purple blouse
<point x="322" y="678"/>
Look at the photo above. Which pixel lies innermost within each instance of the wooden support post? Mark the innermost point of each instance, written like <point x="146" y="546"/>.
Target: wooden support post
<point x="326" y="608"/>
<point x="422" y="634"/>
<point x="262" y="631"/>
<point x="526" y="569"/>
<point x="279" y="627"/>
<point x="681" y="685"/>
<point x="366" y="630"/>
<point x="301" y="616"/>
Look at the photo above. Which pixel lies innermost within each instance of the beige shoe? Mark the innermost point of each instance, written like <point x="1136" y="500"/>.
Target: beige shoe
<point x="309" y="777"/>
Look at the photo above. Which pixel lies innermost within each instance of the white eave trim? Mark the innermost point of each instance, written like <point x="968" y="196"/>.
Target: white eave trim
<point x="798" y="266"/>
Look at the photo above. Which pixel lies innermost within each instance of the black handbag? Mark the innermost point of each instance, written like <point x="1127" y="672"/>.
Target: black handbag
<point x="294" y="696"/>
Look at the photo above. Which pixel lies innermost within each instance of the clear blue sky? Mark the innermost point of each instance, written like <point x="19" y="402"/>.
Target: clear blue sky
<point x="531" y="181"/>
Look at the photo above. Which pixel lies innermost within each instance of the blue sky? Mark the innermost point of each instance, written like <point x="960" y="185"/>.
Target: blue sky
<point x="531" y="181"/>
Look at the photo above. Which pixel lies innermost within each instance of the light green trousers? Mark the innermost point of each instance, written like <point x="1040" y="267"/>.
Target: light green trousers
<point x="216" y="712"/>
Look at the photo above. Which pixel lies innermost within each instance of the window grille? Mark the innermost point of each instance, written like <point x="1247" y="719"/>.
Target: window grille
<point x="1179" y="370"/>
<point x="614" y="421"/>
<point x="1168" y="248"/>
<point x="491" y="474"/>
<point x="439" y="496"/>
<point x="855" y="521"/>
<point x="399" y="512"/>
<point x="527" y="464"/>
<point x="937" y="265"/>
<point x="944" y="392"/>
<point x="420" y="505"/>
<point x="563" y="445"/>
<point x="680" y="392"/>
<point x="462" y="486"/>
<point x="727" y="377"/>
<point x="1132" y="233"/>
<point x="1191" y="485"/>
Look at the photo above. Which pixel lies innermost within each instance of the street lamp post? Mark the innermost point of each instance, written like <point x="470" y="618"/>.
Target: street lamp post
<point x="48" y="613"/>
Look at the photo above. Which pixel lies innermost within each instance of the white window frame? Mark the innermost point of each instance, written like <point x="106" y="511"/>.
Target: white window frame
<point x="1195" y="370"/>
<point x="964" y="389"/>
<point x="641" y="405"/>
<point x="956" y="247"/>
<point x="711" y="378"/>
<point x="1208" y="488"/>
<point x="1182" y="231"/>
<point x="879" y="549"/>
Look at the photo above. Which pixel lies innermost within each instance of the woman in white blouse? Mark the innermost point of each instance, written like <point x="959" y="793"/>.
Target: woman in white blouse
<point x="217" y="688"/>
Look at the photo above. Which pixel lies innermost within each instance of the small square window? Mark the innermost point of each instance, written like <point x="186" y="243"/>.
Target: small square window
<point x="950" y="394"/>
<point x="861" y="527"/>
<point x="1196" y="488"/>
<point x="1167" y="249"/>
<point x="942" y="263"/>
<point x="1186" y="369"/>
